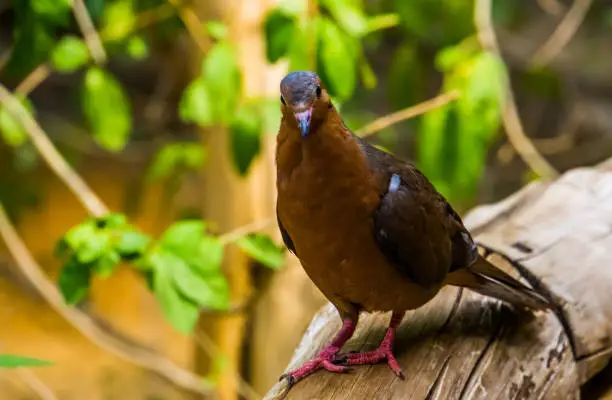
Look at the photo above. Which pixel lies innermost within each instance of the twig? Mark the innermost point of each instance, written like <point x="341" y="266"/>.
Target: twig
<point x="239" y="232"/>
<point x="43" y="391"/>
<point x="563" y="33"/>
<point x="120" y="347"/>
<point x="35" y="78"/>
<point x="89" y="31"/>
<point x="512" y="123"/>
<point x="52" y="157"/>
<point x="245" y="390"/>
<point x="194" y="26"/>
<point x="410" y="112"/>
<point x="553" y="7"/>
<point x="563" y="142"/>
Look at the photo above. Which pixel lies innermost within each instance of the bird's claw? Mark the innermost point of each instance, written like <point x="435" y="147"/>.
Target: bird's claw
<point x="320" y="362"/>
<point x="371" y="357"/>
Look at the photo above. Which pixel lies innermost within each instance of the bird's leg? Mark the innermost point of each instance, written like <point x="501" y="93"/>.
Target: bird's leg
<point x="326" y="356"/>
<point x="384" y="350"/>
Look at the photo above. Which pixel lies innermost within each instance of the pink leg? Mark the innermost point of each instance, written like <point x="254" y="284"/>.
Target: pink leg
<point x="384" y="350"/>
<point x="326" y="356"/>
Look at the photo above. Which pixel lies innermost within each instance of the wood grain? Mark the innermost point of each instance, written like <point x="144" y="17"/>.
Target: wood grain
<point x="465" y="346"/>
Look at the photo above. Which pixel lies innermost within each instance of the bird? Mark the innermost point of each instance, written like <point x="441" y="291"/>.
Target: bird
<point x="369" y="229"/>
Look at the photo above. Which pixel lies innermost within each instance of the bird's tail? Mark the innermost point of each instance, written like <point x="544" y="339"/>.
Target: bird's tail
<point x="486" y="279"/>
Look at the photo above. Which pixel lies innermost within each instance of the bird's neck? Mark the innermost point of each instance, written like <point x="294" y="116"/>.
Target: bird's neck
<point x="327" y="146"/>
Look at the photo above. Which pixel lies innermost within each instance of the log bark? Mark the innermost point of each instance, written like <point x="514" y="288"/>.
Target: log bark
<point x="465" y="346"/>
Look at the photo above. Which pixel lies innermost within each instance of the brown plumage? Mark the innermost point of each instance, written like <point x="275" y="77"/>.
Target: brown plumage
<point x="369" y="229"/>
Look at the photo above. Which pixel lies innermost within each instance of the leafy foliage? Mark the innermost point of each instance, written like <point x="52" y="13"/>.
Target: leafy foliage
<point x="262" y="249"/>
<point x="14" y="361"/>
<point x="245" y="136"/>
<point x="176" y="157"/>
<point x="335" y="38"/>
<point x="183" y="266"/>
<point x="107" y="109"/>
<point x="11" y="130"/>
<point x="454" y="139"/>
<point x="70" y="54"/>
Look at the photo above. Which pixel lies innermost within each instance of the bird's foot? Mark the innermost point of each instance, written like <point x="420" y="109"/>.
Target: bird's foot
<point x="384" y="351"/>
<point x="324" y="360"/>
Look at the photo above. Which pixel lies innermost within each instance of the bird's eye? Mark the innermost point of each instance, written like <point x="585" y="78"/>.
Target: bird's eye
<point x="283" y="101"/>
<point x="318" y="91"/>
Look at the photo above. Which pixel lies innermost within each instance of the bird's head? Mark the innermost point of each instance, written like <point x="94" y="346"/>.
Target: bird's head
<point x="305" y="102"/>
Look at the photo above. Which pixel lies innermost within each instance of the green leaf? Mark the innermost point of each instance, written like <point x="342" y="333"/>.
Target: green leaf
<point x="301" y="43"/>
<point x="263" y="249"/>
<point x="174" y="156"/>
<point x="93" y="248"/>
<point x="216" y="29"/>
<point x="279" y="29"/>
<point x="32" y="40"/>
<point x="338" y="60"/>
<point x="196" y="105"/>
<point x="383" y="21"/>
<point x="137" y="48"/>
<point x="348" y="15"/>
<point x="406" y="77"/>
<point x="70" y="54"/>
<point x="210" y="256"/>
<point x="106" y="264"/>
<point x="13" y="133"/>
<point x="245" y="133"/>
<point x="95" y="8"/>
<point x="181" y="312"/>
<point x="132" y="243"/>
<point x="80" y="234"/>
<point x="187" y="240"/>
<point x="450" y="57"/>
<point x="183" y="233"/>
<point x="111" y="220"/>
<point x="118" y="20"/>
<point x="271" y="115"/>
<point x="13" y="361"/>
<point x="55" y="11"/>
<point x="107" y="109"/>
<point x="223" y="80"/>
<point x="73" y="281"/>
<point x="210" y="292"/>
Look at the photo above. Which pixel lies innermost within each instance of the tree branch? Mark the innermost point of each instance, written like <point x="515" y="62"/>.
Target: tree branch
<point x="38" y="386"/>
<point x="553" y="7"/>
<point x="34" y="78"/>
<point x="89" y="31"/>
<point x="52" y="157"/>
<point x="193" y="24"/>
<point x="410" y="112"/>
<point x="239" y="232"/>
<point x="563" y="33"/>
<point x="113" y="343"/>
<point x="512" y="123"/>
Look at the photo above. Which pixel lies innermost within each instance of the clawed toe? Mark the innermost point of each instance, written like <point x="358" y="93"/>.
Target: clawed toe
<point x="369" y="358"/>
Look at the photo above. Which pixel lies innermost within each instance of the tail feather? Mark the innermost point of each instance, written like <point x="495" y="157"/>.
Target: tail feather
<point x="486" y="279"/>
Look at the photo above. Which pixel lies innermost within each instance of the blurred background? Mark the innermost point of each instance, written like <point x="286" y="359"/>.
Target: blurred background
<point x="140" y="254"/>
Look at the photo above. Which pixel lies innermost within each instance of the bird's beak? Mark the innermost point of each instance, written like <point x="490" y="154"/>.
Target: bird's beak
<point x="303" y="121"/>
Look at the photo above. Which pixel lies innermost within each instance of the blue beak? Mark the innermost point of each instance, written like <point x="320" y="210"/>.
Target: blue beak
<point x="303" y="121"/>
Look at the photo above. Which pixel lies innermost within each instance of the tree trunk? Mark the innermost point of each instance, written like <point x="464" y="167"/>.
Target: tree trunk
<point x="230" y="200"/>
<point x="463" y="345"/>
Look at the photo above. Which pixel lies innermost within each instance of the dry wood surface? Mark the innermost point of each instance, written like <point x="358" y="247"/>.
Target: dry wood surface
<point x="465" y="346"/>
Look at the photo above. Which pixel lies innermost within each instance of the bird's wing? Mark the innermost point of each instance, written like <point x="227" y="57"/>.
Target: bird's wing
<point x="414" y="225"/>
<point x="422" y="234"/>
<point x="285" y="235"/>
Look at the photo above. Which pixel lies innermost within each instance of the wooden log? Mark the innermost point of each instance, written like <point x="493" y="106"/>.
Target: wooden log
<point x="464" y="345"/>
